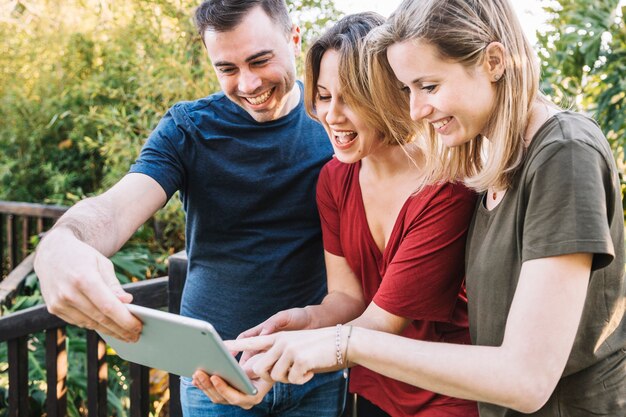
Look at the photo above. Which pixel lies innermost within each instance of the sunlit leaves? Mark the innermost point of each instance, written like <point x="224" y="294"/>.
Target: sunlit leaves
<point x="584" y="64"/>
<point x="584" y="61"/>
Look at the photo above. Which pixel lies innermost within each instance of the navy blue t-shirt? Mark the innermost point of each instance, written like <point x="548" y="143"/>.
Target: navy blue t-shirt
<point x="248" y="189"/>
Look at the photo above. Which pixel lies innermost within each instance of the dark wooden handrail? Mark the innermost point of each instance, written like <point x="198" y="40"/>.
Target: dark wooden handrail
<point x="150" y="293"/>
<point x="32" y="209"/>
<point x="12" y="282"/>
<point x="18" y="222"/>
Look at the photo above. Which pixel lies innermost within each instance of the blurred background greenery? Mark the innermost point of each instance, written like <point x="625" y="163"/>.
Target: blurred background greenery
<point x="83" y="82"/>
<point x="583" y="55"/>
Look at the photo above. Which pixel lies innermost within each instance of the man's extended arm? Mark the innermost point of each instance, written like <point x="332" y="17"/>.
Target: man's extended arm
<point x="77" y="279"/>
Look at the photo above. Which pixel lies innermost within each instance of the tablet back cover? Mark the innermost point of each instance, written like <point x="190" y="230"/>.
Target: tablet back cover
<point x="180" y="345"/>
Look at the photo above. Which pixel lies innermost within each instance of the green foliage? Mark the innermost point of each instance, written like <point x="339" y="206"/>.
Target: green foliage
<point x="584" y="62"/>
<point x="84" y="82"/>
<point x="313" y="16"/>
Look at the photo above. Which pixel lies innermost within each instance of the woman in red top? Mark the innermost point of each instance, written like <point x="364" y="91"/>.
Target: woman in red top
<point x="394" y="246"/>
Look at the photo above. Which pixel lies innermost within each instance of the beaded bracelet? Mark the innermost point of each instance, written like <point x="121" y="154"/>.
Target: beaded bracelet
<point x="338" y="344"/>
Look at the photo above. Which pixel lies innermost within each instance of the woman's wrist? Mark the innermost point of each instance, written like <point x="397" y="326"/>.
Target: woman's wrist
<point x="322" y="315"/>
<point x="342" y="344"/>
<point x="347" y="345"/>
<point x="311" y="313"/>
<point x="343" y="335"/>
<point x="353" y="344"/>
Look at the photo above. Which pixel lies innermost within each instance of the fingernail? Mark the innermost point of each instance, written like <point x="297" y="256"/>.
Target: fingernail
<point x="215" y="381"/>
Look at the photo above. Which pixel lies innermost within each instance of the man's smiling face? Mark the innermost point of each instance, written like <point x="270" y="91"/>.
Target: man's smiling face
<point x="255" y="65"/>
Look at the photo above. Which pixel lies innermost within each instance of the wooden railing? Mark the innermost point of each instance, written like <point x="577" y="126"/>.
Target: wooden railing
<point x="16" y="328"/>
<point x="18" y="222"/>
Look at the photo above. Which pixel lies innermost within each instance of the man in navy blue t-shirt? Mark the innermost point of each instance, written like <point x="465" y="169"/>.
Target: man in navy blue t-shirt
<point x="245" y="162"/>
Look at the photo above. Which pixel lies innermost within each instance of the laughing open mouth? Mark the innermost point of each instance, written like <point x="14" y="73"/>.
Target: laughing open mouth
<point x="260" y="99"/>
<point x="344" y="137"/>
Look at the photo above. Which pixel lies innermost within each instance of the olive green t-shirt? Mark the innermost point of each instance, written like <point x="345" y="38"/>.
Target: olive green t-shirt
<point x="565" y="199"/>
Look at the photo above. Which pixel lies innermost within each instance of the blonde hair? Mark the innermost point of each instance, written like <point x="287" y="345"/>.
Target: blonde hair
<point x="461" y="30"/>
<point x="347" y="37"/>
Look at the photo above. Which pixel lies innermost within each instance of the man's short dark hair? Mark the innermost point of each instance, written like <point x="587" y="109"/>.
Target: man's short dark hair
<point x="224" y="15"/>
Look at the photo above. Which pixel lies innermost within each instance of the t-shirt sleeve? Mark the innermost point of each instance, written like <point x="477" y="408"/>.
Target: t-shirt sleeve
<point x="161" y="156"/>
<point x="424" y="279"/>
<point x="329" y="213"/>
<point x="569" y="194"/>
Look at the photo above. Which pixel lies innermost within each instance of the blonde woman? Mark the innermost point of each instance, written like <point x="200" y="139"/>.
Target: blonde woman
<point x="394" y="246"/>
<point x="545" y="261"/>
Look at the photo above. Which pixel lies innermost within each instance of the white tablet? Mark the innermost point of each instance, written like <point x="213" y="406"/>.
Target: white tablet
<point x="180" y="345"/>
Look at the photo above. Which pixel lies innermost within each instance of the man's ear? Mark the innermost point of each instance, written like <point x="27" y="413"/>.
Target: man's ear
<point x="494" y="61"/>
<point x="297" y="39"/>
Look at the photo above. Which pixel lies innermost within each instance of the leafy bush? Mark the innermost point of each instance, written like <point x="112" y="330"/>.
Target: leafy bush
<point x="584" y="62"/>
<point x="87" y="81"/>
<point x="85" y="86"/>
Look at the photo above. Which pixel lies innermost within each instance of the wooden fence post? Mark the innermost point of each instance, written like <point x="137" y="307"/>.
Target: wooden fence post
<point x="96" y="375"/>
<point x="177" y="272"/>
<point x="56" y="372"/>
<point x="18" y="377"/>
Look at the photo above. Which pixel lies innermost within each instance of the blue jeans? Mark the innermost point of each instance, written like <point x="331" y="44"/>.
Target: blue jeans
<point x="322" y="396"/>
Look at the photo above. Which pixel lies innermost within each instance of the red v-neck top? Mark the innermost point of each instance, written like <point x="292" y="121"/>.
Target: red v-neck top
<point x="420" y="275"/>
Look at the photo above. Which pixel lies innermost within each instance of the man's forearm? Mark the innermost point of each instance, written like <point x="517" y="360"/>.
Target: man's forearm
<point x="93" y="222"/>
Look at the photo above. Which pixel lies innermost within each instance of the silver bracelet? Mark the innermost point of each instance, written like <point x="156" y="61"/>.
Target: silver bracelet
<point x="345" y="369"/>
<point x="338" y="344"/>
